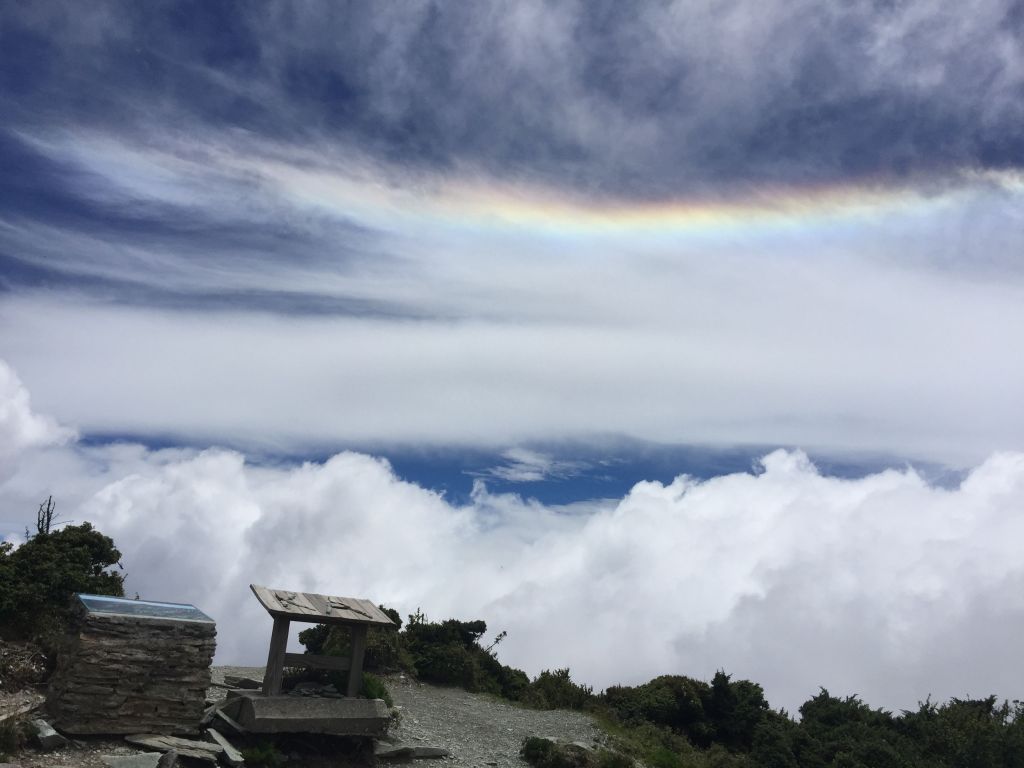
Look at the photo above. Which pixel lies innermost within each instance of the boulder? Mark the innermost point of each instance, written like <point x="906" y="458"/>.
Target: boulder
<point x="47" y="738"/>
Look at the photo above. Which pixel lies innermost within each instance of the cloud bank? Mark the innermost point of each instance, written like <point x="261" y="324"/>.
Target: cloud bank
<point x="20" y="427"/>
<point x="883" y="585"/>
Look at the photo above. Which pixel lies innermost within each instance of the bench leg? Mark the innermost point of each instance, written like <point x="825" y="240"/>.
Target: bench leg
<point x="355" y="670"/>
<point x="275" y="659"/>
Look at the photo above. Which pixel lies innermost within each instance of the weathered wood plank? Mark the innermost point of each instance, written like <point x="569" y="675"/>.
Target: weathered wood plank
<point x="355" y="675"/>
<point x="266" y="598"/>
<point x="316" y="661"/>
<point x="295" y="602"/>
<point x="326" y="609"/>
<point x="236" y="727"/>
<point x="210" y="712"/>
<point x="230" y="756"/>
<point x="275" y="657"/>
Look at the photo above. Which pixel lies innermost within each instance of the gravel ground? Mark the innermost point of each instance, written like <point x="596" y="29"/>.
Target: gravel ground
<point x="478" y="730"/>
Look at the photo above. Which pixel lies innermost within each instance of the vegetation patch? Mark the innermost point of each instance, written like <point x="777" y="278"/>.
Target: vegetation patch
<point x="38" y="578"/>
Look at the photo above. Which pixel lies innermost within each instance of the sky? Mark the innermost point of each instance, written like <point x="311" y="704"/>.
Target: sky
<point x="667" y="337"/>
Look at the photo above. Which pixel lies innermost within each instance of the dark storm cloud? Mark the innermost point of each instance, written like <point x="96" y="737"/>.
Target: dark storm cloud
<point x="613" y="98"/>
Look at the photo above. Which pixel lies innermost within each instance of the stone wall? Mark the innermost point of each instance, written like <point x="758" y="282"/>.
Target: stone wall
<point x="121" y="674"/>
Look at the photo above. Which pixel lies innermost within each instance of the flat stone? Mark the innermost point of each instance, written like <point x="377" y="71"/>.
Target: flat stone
<point x="198" y="750"/>
<point x="299" y="714"/>
<point x="231" y="755"/>
<point x="168" y="759"/>
<point x="384" y="751"/>
<point x="248" y="683"/>
<point x="27" y="703"/>
<point x="150" y="760"/>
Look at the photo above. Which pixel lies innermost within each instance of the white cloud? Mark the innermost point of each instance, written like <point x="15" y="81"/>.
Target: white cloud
<point x="20" y="426"/>
<point x="883" y="586"/>
<point x="523" y="465"/>
<point x="864" y="320"/>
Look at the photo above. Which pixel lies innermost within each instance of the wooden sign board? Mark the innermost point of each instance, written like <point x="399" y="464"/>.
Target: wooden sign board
<point x="320" y="609"/>
<point x="286" y="606"/>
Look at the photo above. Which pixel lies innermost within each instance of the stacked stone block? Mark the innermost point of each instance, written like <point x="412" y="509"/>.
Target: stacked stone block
<point x="128" y="674"/>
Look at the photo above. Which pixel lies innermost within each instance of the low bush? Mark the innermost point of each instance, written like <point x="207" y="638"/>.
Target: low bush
<point x="545" y="753"/>
<point x="263" y="755"/>
<point x="374" y="688"/>
<point x="556" y="690"/>
<point x="13" y="735"/>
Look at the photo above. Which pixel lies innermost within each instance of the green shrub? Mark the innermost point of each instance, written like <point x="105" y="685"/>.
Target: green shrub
<point x="38" y="579"/>
<point x="13" y="735"/>
<point x="446" y="653"/>
<point x="662" y="757"/>
<point x="654" y="746"/>
<point x="263" y="755"/>
<point x="607" y="758"/>
<point x="556" y="690"/>
<point x="544" y="753"/>
<point x="374" y="688"/>
<point x="385" y="650"/>
<point x="537" y="751"/>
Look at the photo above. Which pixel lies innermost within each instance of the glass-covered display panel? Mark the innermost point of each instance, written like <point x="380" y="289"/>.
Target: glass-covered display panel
<point x="146" y="609"/>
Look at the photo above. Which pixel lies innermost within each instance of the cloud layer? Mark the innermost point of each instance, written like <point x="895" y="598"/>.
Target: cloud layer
<point x="883" y="585"/>
<point x="312" y="226"/>
<point x="673" y="97"/>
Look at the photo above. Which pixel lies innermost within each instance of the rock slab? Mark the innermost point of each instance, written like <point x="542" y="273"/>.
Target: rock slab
<point x="197" y="750"/>
<point x="230" y="756"/>
<point x="48" y="738"/>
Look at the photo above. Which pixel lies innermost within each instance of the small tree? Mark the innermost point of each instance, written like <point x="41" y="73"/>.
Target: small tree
<point x="38" y="578"/>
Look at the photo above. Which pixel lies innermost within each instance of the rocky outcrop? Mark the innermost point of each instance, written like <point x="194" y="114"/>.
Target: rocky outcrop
<point x="130" y="674"/>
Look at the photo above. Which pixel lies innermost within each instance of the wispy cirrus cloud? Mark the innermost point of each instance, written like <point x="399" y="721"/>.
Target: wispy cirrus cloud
<point x="523" y="465"/>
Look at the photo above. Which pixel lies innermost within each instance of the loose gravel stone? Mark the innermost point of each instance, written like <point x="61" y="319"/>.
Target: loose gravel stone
<point x="479" y="730"/>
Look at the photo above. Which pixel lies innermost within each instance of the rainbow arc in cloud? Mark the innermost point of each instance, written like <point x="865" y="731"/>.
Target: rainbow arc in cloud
<point x="478" y="206"/>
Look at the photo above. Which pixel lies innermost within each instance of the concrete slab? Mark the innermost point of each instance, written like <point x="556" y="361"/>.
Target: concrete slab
<point x="294" y="714"/>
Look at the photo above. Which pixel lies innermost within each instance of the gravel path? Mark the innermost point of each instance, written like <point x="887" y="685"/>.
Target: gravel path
<point x="478" y="730"/>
